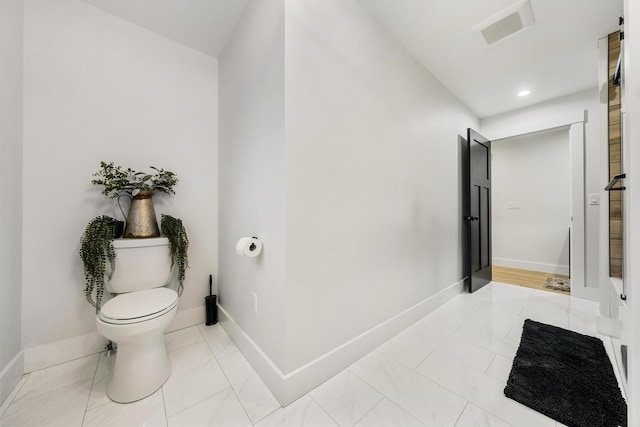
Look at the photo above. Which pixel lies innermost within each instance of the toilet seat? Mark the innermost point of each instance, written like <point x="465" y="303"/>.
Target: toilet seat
<point x="140" y="306"/>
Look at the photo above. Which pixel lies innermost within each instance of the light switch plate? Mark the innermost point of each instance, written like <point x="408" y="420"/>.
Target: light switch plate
<point x="594" y="198"/>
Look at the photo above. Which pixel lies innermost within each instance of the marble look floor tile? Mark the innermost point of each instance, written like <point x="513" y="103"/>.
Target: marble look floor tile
<point x="59" y="376"/>
<point x="505" y="289"/>
<point x="195" y="376"/>
<point x="427" y="401"/>
<point x="463" y="352"/>
<point x="304" y="412"/>
<point x="501" y="314"/>
<point x="254" y="395"/>
<point x="504" y="309"/>
<point x="451" y="372"/>
<point x="346" y="398"/>
<point x="404" y="350"/>
<point x="220" y="410"/>
<point x="545" y="316"/>
<point x="515" y="333"/>
<point x="388" y="414"/>
<point x="569" y="322"/>
<point x="501" y="295"/>
<point x="481" y="390"/>
<point x="500" y="368"/>
<point x="450" y="316"/>
<point x="60" y="407"/>
<point x="476" y="417"/>
<point x="98" y="394"/>
<point x="490" y="336"/>
<point x="218" y="340"/>
<point x="183" y="338"/>
<point x="148" y="412"/>
<point x="554" y="304"/>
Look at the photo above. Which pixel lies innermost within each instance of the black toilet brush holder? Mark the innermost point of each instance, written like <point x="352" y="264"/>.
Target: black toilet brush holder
<point x="210" y="305"/>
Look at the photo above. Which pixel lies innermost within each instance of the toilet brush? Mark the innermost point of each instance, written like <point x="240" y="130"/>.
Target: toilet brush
<point x="210" y="304"/>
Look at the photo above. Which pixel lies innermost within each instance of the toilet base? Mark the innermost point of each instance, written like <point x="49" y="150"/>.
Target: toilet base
<point x="140" y="369"/>
<point x="142" y="364"/>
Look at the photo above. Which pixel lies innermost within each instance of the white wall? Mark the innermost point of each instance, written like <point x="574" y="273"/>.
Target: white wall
<point x="338" y="169"/>
<point x="10" y="190"/>
<point x="99" y="88"/>
<point x="533" y="171"/>
<point x="373" y="215"/>
<point x="553" y="113"/>
<point x="252" y="174"/>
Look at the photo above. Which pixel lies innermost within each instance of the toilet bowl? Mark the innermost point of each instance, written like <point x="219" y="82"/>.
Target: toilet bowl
<point x="137" y="318"/>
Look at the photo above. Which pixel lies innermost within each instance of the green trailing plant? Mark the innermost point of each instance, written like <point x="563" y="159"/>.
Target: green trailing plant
<point x="118" y="181"/>
<point x="173" y="229"/>
<point x="98" y="256"/>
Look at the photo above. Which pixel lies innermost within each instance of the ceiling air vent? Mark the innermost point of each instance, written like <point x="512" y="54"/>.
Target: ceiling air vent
<point x="506" y="22"/>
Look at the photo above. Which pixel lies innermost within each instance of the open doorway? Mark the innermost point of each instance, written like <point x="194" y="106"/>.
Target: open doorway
<point x="531" y="209"/>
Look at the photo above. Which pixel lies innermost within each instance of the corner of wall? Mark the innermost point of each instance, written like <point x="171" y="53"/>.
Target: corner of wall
<point x="10" y="376"/>
<point x="287" y="387"/>
<point x="11" y="164"/>
<point x="252" y="177"/>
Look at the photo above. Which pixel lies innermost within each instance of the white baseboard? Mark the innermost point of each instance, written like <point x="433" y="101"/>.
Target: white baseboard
<point x="287" y="387"/>
<point x="272" y="376"/>
<point x="532" y="266"/>
<point x="187" y="318"/>
<point x="10" y="376"/>
<point x="44" y="356"/>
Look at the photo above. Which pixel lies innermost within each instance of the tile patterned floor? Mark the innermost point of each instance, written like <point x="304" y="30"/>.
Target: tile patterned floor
<point x="448" y="369"/>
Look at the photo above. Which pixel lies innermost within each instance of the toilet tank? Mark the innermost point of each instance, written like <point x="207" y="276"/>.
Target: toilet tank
<point x="140" y="264"/>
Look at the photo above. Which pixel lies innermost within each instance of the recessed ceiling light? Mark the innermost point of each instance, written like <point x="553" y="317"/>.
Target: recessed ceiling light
<point x="524" y="93"/>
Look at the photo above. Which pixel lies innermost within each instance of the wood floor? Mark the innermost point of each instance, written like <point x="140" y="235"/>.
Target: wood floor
<point x="526" y="278"/>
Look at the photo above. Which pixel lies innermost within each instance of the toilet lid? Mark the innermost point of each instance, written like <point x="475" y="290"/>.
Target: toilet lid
<point x="138" y="306"/>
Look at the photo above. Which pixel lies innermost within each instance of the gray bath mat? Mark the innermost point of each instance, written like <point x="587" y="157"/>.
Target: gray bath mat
<point x="558" y="284"/>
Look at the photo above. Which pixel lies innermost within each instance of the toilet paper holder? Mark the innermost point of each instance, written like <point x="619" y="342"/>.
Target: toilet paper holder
<point x="249" y="246"/>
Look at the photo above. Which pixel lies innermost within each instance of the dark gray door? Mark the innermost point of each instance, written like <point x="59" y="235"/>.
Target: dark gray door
<point x="477" y="211"/>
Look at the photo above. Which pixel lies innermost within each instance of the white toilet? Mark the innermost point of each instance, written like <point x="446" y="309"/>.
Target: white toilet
<point x="138" y="316"/>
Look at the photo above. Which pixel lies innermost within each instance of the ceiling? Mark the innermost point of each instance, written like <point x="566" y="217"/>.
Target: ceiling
<point x="204" y="25"/>
<point x="556" y="56"/>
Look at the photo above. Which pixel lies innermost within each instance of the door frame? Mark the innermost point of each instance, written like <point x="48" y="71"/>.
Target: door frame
<point x="574" y="121"/>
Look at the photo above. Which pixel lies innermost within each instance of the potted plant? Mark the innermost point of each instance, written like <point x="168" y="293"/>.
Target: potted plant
<point x="96" y="247"/>
<point x="173" y="229"/>
<point x="98" y="256"/>
<point x="140" y="188"/>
